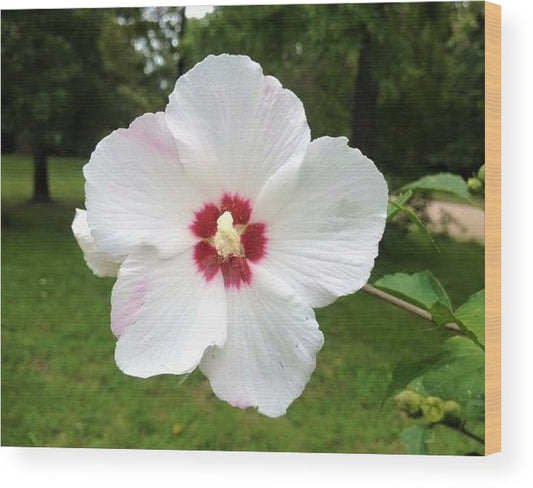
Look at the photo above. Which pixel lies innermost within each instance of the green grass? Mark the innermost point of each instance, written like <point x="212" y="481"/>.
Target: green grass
<point x="60" y="385"/>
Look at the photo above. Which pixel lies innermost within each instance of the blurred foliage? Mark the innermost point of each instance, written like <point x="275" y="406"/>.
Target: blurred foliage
<point x="427" y="59"/>
<point x="71" y="76"/>
<point x="446" y="388"/>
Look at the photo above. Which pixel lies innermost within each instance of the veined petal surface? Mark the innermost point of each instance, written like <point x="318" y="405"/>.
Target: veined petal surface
<point x="269" y="353"/>
<point x="325" y="219"/>
<point x="100" y="263"/>
<point x="300" y="226"/>
<point x="137" y="191"/>
<point x="234" y="127"/>
<point x="165" y="314"/>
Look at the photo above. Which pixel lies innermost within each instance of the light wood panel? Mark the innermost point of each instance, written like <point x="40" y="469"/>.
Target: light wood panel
<point x="493" y="228"/>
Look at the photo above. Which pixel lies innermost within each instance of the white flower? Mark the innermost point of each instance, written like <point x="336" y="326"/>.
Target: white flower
<point x="231" y="225"/>
<point x="101" y="263"/>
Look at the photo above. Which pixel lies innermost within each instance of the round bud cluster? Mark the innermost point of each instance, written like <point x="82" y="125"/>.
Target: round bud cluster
<point x="476" y="184"/>
<point x="452" y="413"/>
<point x="433" y="409"/>
<point x="410" y="402"/>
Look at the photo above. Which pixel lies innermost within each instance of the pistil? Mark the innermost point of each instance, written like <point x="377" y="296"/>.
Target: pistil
<point x="227" y="239"/>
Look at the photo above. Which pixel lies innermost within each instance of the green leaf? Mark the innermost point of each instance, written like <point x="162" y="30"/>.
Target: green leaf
<point x="400" y="200"/>
<point x="405" y="371"/>
<point x="472" y="314"/>
<point x="424" y="290"/>
<point x="475" y="408"/>
<point x="414" y="218"/>
<point x="442" y="315"/>
<point x="415" y="439"/>
<point x="443" y="182"/>
<point x="421" y="289"/>
<point x="459" y="375"/>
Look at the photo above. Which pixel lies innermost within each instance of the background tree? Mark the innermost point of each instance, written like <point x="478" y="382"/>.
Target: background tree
<point x="402" y="81"/>
<point x="39" y="65"/>
<point x="156" y="33"/>
<point x="69" y="77"/>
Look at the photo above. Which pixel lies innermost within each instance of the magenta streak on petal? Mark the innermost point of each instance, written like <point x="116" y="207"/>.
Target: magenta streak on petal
<point x="235" y="272"/>
<point x="239" y="207"/>
<point x="205" y="221"/>
<point x="151" y="135"/>
<point x="254" y="241"/>
<point x="124" y="315"/>
<point x="206" y="259"/>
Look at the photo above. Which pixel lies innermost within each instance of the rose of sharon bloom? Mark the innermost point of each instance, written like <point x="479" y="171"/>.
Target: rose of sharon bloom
<point x="230" y="225"/>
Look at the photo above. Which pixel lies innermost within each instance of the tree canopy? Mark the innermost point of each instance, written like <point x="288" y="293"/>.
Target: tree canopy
<point x="404" y="82"/>
<point x="425" y="63"/>
<point x="68" y="78"/>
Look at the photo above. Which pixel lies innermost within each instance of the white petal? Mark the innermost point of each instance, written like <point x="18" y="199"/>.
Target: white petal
<point x="137" y="192"/>
<point x="270" y="350"/>
<point x="165" y="314"/>
<point x="100" y="263"/>
<point x="324" y="219"/>
<point x="234" y="126"/>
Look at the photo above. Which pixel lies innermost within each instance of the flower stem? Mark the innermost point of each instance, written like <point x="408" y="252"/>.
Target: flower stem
<point x="462" y="430"/>
<point x="398" y="302"/>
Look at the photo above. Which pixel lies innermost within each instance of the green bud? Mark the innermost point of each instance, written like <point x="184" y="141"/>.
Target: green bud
<point x="452" y="412"/>
<point x="433" y="409"/>
<point x="409" y="401"/>
<point x="481" y="173"/>
<point x="474" y="185"/>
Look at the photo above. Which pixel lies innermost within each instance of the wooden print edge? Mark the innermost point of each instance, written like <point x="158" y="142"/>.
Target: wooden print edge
<point x="493" y="228"/>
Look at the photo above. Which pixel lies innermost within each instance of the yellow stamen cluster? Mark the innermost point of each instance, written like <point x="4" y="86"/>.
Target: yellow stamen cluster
<point x="227" y="240"/>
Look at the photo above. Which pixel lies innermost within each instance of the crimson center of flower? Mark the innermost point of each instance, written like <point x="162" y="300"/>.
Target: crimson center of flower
<point x="229" y="241"/>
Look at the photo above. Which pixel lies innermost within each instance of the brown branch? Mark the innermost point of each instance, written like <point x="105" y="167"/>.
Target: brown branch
<point x="398" y="302"/>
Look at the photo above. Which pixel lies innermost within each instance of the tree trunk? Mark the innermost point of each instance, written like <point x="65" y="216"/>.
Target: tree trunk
<point x="365" y="101"/>
<point x="40" y="177"/>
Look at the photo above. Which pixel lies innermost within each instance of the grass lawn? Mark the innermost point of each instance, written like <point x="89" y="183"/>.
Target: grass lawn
<point x="61" y="387"/>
